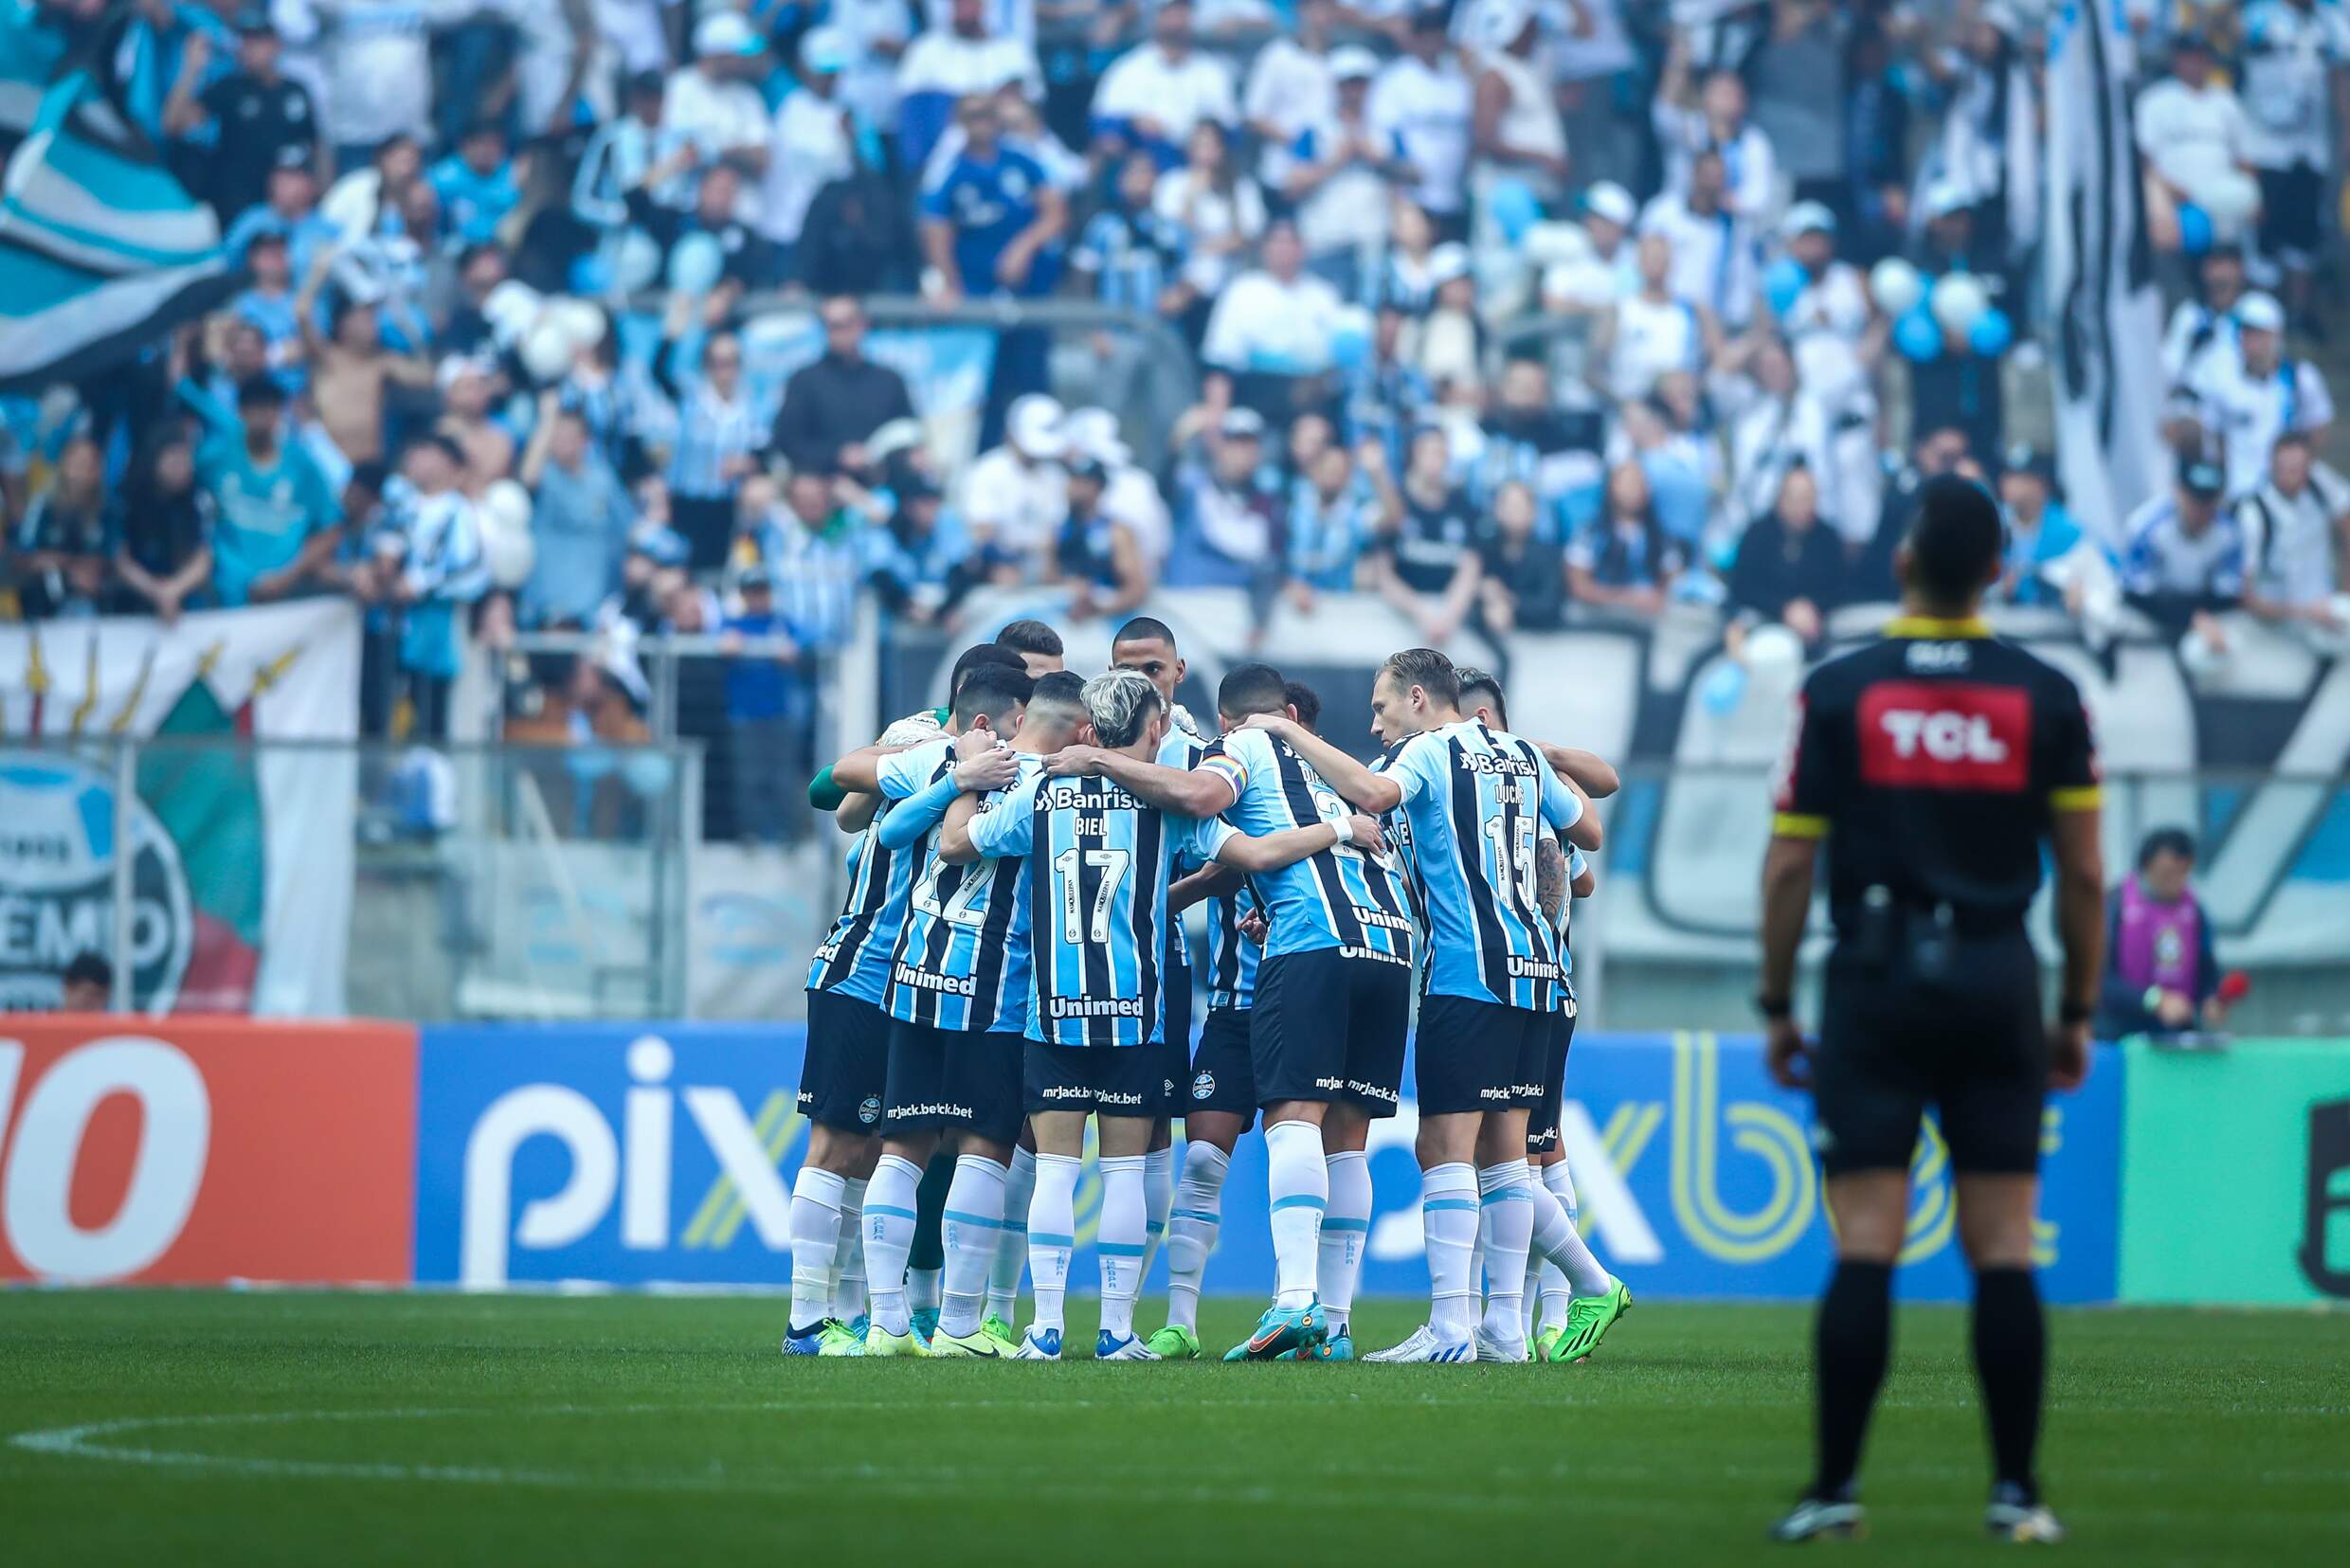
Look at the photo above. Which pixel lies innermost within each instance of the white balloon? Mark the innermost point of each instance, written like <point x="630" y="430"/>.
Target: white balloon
<point x="510" y="553"/>
<point x="505" y="504"/>
<point x="635" y="262"/>
<point x="510" y="309"/>
<point x="1958" y="301"/>
<point x="1774" y="650"/>
<point x="2202" y="661"/>
<point x="546" y="348"/>
<point x="580" y="322"/>
<point x="2230" y="196"/>
<point x="1895" y="285"/>
<point x="694" y="264"/>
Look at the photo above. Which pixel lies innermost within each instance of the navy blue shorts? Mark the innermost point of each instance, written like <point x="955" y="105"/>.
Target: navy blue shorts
<point x="1175" y="1052"/>
<point x="1327" y="1027"/>
<point x="848" y="1053"/>
<point x="1478" y="1055"/>
<point x="1223" y="1077"/>
<point x="1108" y="1080"/>
<point x="1542" y="1124"/>
<point x="953" y="1078"/>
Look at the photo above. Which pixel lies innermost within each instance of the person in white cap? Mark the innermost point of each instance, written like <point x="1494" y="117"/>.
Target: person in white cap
<point x="1343" y="171"/>
<point x="813" y="142"/>
<point x="1291" y="86"/>
<point x="1016" y="496"/>
<point x="1834" y="301"/>
<point x="713" y="108"/>
<point x="1608" y="270"/>
<point x="1423" y="98"/>
<point x="1712" y="119"/>
<point x="2247" y="403"/>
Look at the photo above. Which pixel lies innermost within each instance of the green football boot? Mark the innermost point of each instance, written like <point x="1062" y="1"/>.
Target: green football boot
<point x="983" y="1343"/>
<point x="1588" y="1320"/>
<point x="1546" y="1343"/>
<point x="994" y="1326"/>
<point x="880" y="1342"/>
<point x="1175" y="1343"/>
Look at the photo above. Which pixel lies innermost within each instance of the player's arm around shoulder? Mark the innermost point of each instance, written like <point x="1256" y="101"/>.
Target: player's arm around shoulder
<point x="1186" y="791"/>
<point x="990" y="826"/>
<point x="1256" y="856"/>
<point x="1376" y="793"/>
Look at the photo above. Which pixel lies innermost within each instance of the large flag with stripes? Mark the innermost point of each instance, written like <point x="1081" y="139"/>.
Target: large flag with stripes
<point x="101" y="251"/>
<point x="2098" y="266"/>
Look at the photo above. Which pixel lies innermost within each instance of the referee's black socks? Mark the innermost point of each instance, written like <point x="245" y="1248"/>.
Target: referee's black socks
<point x="2010" y="1360"/>
<point x="1852" y="1340"/>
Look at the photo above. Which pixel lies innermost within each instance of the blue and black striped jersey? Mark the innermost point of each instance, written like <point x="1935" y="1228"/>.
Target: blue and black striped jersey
<point x="1474" y="800"/>
<point x="955" y="966"/>
<point x="1232" y="957"/>
<point x="1093" y="903"/>
<point x="1181" y="748"/>
<point x="853" y="958"/>
<point x="1338" y="897"/>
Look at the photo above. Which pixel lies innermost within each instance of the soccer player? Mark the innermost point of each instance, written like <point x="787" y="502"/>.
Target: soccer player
<point x="1333" y="998"/>
<point x="1097" y="861"/>
<point x="949" y="1067"/>
<point x="1475" y="799"/>
<point x="1038" y="644"/>
<point x="1223" y="1084"/>
<point x="1147" y="647"/>
<point x="1561" y="1264"/>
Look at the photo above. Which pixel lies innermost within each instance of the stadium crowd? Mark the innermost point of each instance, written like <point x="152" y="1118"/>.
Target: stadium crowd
<point x="1511" y="311"/>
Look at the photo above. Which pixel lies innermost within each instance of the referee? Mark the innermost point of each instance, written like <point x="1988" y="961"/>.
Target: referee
<point x="1932" y="764"/>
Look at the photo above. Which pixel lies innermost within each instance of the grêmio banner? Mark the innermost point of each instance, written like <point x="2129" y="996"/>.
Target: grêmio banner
<point x="2239" y="1174"/>
<point x="663" y="1154"/>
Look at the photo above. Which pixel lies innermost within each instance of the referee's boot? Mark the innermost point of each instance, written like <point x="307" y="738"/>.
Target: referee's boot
<point x="2016" y="1515"/>
<point x="1817" y="1517"/>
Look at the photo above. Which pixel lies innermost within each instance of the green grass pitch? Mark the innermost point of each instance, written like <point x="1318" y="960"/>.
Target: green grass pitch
<point x="173" y="1428"/>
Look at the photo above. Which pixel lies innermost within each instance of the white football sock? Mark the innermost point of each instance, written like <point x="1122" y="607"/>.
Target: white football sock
<point x="1448" y="1215"/>
<point x="1191" y="1228"/>
<point x="815" y="1239"/>
<point x="1553" y="1293"/>
<point x="1020" y="1185"/>
<point x="969" y="1228"/>
<point x="1299" y="1184"/>
<point x="1123" y="1238"/>
<point x="1051" y="1233"/>
<point x="1532" y="1289"/>
<point x="848" y="1258"/>
<point x="1557" y="1238"/>
<point x="1346" y="1226"/>
<point x="926" y="1288"/>
<point x="1505" y="1222"/>
<point x="1158" y="1198"/>
<point x="889" y="1236"/>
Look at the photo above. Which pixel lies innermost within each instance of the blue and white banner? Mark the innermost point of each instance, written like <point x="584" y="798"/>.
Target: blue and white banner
<point x="644" y="1155"/>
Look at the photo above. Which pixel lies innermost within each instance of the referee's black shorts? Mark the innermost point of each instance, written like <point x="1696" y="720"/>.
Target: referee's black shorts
<point x="1972" y="1046"/>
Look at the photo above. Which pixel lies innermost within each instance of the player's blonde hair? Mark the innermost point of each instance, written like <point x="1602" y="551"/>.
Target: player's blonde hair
<point x="1120" y="703"/>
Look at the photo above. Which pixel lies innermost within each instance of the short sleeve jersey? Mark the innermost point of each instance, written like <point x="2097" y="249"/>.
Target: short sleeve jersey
<point x="1338" y="897"/>
<point x="953" y="967"/>
<point x="1933" y="763"/>
<point x="1093" y="904"/>
<point x="853" y="958"/>
<point x="1475" y="799"/>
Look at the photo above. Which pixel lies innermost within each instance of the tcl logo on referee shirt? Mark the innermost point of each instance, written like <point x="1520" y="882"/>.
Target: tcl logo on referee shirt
<point x="1917" y="734"/>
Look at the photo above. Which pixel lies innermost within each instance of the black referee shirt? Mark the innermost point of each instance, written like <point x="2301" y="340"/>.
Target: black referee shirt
<point x="1932" y="763"/>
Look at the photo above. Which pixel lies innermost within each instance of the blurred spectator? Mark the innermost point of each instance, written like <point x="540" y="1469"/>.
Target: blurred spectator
<point x="426" y="563"/>
<point x="1695" y="123"/>
<point x="766" y="738"/>
<point x="1773" y="426"/>
<point x="1015" y="497"/>
<point x="925" y="564"/>
<point x="1554" y="451"/>
<point x="1652" y="330"/>
<point x="478" y="184"/>
<point x="2161" y="973"/>
<point x="2296" y="526"/>
<point x="813" y="143"/>
<point x="832" y="408"/>
<point x="715" y="214"/>
<point x="1158" y="92"/>
<point x="1339" y="174"/>
<point x="1293" y="86"/>
<point x="2294" y="54"/>
<point x="1798" y="73"/>
<point x="352" y="373"/>
<point x="65" y="555"/>
<point x="1625" y="560"/>
<point x="1427" y="562"/>
<point x="2247" y="400"/>
<point x="988" y="218"/>
<point x="950" y="64"/>
<point x="1272" y="330"/>
<point x="263" y="121"/>
<point x="2187" y="123"/>
<point x="720" y="430"/>
<point x="1606" y="267"/>
<point x="2205" y="325"/>
<point x="1333" y="515"/>
<point x="379" y="71"/>
<point x="1422" y="99"/>
<point x="1227" y="505"/>
<point x="817" y="555"/>
<point x="1524" y="578"/>
<point x="1937" y="449"/>
<point x="2185" y="559"/>
<point x="2049" y="560"/>
<point x="87" y="985"/>
<point x="275" y="519"/>
<point x="580" y="518"/>
<point x="1215" y="210"/>
<point x="1832" y="307"/>
<point x="1790" y="569"/>
<point x="162" y="533"/>
<point x="713" y="110"/>
<point x="1095" y="557"/>
<point x="1515" y="130"/>
<point x="270" y="307"/>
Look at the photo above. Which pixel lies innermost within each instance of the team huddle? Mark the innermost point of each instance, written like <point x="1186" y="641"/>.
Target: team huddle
<point x="1010" y="960"/>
